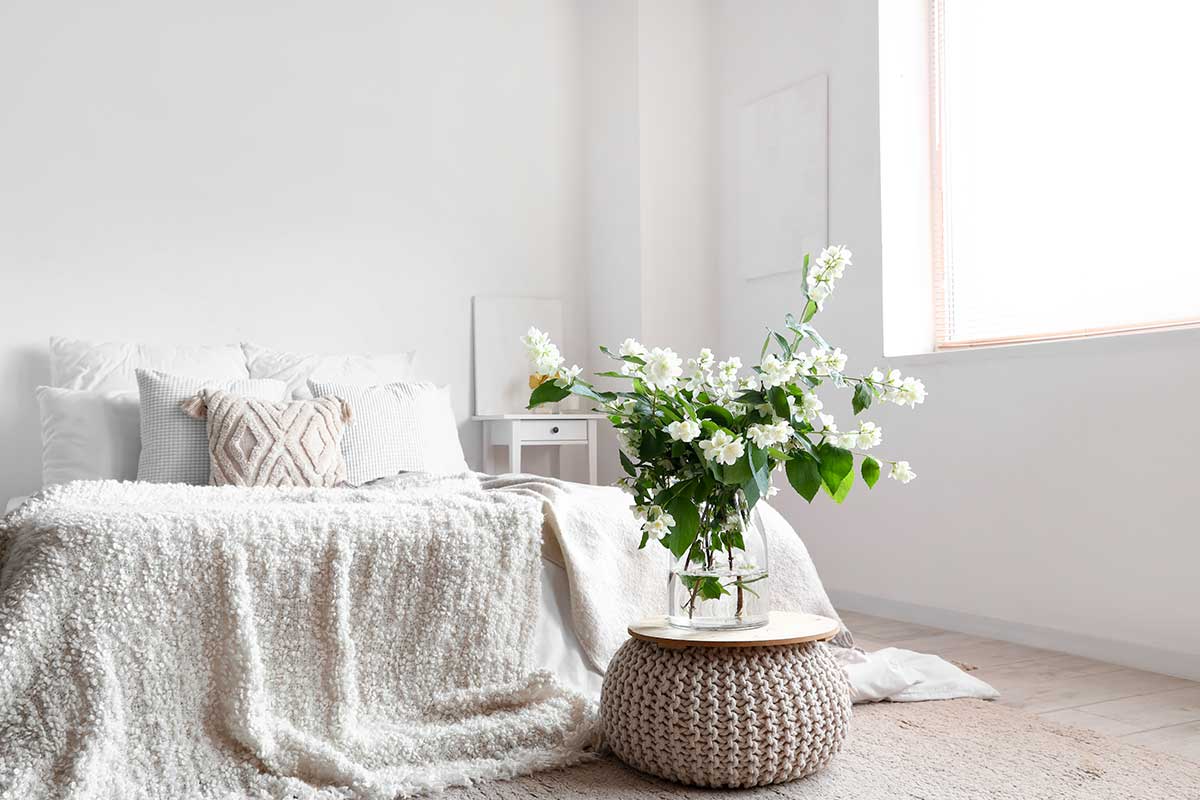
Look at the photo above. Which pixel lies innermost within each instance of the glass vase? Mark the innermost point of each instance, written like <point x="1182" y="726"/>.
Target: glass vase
<point x="719" y="584"/>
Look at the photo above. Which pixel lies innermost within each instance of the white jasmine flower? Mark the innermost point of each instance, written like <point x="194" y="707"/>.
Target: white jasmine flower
<point x="750" y="383"/>
<point x="568" y="376"/>
<point x="776" y="372"/>
<point x="810" y="406"/>
<point x="727" y="370"/>
<point x="771" y="434"/>
<point x="663" y="367"/>
<point x="902" y="472"/>
<point x="722" y="448"/>
<point x="535" y="338"/>
<point x="629" y="440"/>
<point x="684" y="431"/>
<point x="659" y="528"/>
<point x="641" y="512"/>
<point x="828" y="267"/>
<point x="698" y="371"/>
<point x="833" y="435"/>
<point x="544" y="357"/>
<point x="910" y="393"/>
<point x="869" y="435"/>
<point x="829" y="361"/>
<point x="547" y="361"/>
<point x="819" y="293"/>
<point x="632" y="347"/>
<point x="834" y="260"/>
<point x="772" y="490"/>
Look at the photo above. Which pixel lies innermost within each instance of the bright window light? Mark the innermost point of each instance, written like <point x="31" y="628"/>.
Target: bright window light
<point x="1067" y="168"/>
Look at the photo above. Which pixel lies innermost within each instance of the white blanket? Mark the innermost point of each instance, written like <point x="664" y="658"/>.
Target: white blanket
<point x="591" y="534"/>
<point x="170" y="641"/>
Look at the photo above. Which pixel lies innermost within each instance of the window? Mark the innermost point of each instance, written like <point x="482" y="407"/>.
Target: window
<point x="1066" y="161"/>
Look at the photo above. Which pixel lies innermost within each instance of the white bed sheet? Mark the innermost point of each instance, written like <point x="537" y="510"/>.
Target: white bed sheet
<point x="13" y="503"/>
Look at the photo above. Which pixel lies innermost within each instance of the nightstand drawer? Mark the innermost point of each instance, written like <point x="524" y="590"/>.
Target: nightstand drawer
<point x="554" y="430"/>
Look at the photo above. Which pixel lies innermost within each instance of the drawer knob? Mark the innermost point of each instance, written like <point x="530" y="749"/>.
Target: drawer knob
<point x="554" y="429"/>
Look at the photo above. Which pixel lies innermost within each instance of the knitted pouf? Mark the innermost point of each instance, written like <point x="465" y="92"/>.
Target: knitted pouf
<point x="725" y="716"/>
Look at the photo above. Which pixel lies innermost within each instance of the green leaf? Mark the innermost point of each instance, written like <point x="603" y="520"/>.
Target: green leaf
<point x="626" y="463"/>
<point x="613" y="374"/>
<point x="870" y="471"/>
<point x="711" y="588"/>
<point x="585" y="390"/>
<point x="789" y="319"/>
<point x="738" y="472"/>
<point x="804" y="474"/>
<point x="783" y="345"/>
<point x="837" y="470"/>
<point x="666" y="496"/>
<point x="755" y="487"/>
<point x="687" y="524"/>
<point x="862" y="398"/>
<point x="804" y="275"/>
<point x="547" y="393"/>
<point x="778" y="397"/>
<point x="717" y="413"/>
<point x="810" y="311"/>
<point x="811" y="332"/>
<point x="752" y="397"/>
<point x="733" y="538"/>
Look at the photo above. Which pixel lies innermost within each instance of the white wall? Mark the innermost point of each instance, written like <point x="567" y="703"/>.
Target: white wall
<point x="1055" y="502"/>
<point x="677" y="201"/>
<point x="649" y="203"/>
<point x="309" y="176"/>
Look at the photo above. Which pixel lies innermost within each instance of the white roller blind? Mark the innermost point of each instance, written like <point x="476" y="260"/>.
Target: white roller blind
<point x="1069" y="178"/>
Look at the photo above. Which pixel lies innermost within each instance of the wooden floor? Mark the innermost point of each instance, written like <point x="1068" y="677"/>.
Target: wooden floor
<point x="1152" y="710"/>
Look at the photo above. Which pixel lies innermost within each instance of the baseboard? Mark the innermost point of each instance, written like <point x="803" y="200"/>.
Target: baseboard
<point x="1127" y="654"/>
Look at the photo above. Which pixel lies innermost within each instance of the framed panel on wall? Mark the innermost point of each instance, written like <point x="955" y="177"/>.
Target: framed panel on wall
<point x="783" y="178"/>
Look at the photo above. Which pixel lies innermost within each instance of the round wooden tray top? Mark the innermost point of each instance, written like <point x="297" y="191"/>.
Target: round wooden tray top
<point x="785" y="627"/>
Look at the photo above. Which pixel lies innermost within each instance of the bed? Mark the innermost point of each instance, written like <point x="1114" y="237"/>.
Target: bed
<point x="425" y="627"/>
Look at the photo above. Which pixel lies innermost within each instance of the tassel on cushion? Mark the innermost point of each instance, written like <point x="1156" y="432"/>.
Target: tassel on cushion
<point x="347" y="412"/>
<point x="196" y="406"/>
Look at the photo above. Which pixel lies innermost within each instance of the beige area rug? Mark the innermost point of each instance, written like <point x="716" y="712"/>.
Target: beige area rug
<point x="950" y="750"/>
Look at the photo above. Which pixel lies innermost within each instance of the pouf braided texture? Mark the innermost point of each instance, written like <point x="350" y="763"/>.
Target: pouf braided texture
<point x="728" y="716"/>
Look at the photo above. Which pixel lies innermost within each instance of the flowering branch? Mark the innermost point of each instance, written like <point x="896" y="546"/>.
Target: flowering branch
<point x="700" y="440"/>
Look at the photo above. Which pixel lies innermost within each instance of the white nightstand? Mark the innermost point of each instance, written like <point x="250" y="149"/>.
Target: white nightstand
<point x="537" y="430"/>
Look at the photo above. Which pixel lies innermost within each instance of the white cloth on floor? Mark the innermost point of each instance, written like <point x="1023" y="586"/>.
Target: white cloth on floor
<point x="904" y="676"/>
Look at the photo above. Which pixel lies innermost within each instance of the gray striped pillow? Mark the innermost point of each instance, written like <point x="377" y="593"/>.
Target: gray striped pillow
<point x="174" y="445"/>
<point x="398" y="427"/>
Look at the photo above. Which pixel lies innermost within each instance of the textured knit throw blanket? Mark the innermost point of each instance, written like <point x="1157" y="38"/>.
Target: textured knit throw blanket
<point x="591" y="532"/>
<point x="219" y="642"/>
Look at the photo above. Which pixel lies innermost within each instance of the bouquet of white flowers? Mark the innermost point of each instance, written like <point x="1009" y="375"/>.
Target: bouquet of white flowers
<point x="701" y="440"/>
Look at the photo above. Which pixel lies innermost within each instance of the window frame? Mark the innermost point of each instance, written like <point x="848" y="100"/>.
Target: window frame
<point x="941" y="222"/>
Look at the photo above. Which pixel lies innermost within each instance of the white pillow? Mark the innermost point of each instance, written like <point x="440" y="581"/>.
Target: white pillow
<point x="174" y="445"/>
<point x="397" y="427"/>
<point x="110" y="366"/>
<point x="88" y="436"/>
<point x="297" y="369"/>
